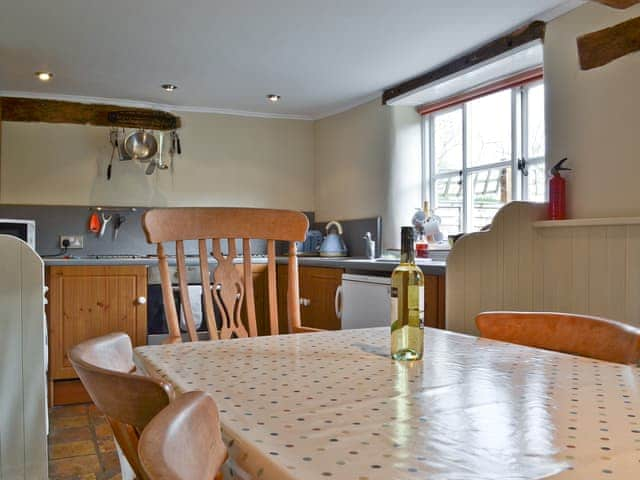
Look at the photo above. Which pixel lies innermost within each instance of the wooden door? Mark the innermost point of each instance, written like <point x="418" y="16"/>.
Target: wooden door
<point x="86" y="302"/>
<point x="318" y="287"/>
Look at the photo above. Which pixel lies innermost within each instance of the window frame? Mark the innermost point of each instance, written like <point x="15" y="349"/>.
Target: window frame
<point x="519" y="152"/>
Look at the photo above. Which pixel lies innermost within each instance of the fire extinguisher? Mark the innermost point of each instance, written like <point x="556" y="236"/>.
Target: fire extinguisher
<point x="558" y="192"/>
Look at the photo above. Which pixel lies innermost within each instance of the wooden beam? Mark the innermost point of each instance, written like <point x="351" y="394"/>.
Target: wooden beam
<point x="529" y="33"/>
<point x="604" y="46"/>
<point x="620" y="4"/>
<point x="56" y="111"/>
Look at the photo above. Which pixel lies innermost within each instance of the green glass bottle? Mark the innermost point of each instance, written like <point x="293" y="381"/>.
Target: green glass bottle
<point x="407" y="303"/>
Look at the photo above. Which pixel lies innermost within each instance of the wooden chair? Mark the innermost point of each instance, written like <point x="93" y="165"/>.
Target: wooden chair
<point x="127" y="399"/>
<point x="582" y="335"/>
<point x="229" y="288"/>
<point x="183" y="441"/>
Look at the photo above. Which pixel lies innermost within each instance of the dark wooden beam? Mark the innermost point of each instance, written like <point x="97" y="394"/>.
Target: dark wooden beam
<point x="604" y="46"/>
<point x="620" y="4"/>
<point x="522" y="36"/>
<point x="56" y="111"/>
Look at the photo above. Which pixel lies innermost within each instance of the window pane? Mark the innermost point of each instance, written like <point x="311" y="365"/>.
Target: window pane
<point x="536" y="182"/>
<point x="490" y="190"/>
<point x="489" y="125"/>
<point x="449" y="204"/>
<point x="535" y="120"/>
<point x="448" y="141"/>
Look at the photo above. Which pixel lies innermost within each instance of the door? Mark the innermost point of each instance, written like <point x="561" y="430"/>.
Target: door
<point x="87" y="302"/>
<point x="365" y="301"/>
<point x="318" y="287"/>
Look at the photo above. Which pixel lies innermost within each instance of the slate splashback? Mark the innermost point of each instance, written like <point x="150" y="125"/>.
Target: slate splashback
<point x="53" y="221"/>
<point x="354" y="230"/>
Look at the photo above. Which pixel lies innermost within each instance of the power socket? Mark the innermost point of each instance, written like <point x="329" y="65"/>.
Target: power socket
<point x="71" y="241"/>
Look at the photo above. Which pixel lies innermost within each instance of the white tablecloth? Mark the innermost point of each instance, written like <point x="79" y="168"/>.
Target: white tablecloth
<point x="334" y="405"/>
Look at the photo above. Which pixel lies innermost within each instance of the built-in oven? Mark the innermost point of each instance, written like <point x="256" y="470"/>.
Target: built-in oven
<point x="25" y="230"/>
<point x="157" y="329"/>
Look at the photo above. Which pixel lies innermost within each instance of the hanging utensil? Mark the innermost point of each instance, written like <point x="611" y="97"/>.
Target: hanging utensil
<point x="141" y="145"/>
<point x="113" y="140"/>
<point x="161" y="164"/>
<point x="124" y="156"/>
<point x="94" y="223"/>
<point x="151" y="168"/>
<point x="117" y="223"/>
<point x="105" y="220"/>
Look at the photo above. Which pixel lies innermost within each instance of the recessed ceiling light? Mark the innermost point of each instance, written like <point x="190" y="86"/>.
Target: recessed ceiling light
<point x="44" y="76"/>
<point x="272" y="97"/>
<point x="169" y="87"/>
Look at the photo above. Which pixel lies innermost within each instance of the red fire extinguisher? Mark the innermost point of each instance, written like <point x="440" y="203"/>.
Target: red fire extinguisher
<point x="558" y="192"/>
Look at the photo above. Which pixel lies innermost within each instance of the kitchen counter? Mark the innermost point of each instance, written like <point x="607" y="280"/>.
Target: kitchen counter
<point x="360" y="264"/>
<point x="350" y="264"/>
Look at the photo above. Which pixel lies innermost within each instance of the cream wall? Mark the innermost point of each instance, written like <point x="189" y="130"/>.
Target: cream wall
<point x="368" y="163"/>
<point x="227" y="160"/>
<point x="592" y="117"/>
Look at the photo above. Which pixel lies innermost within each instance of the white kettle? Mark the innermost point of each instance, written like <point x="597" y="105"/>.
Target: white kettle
<point x="333" y="245"/>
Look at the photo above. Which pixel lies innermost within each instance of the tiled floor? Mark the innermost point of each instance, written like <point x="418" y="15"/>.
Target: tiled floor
<point x="81" y="445"/>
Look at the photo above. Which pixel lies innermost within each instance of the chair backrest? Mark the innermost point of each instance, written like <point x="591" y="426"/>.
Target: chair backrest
<point x="229" y="289"/>
<point x="183" y="442"/>
<point x="128" y="400"/>
<point x="582" y="335"/>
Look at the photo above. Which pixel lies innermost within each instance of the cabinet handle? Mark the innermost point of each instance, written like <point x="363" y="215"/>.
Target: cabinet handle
<point x="305" y="302"/>
<point x="337" y="302"/>
<point x="141" y="300"/>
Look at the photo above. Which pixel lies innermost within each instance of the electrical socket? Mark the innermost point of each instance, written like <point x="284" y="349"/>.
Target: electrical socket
<point x="71" y="241"/>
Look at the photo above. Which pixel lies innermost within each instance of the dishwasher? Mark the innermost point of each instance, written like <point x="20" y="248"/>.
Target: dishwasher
<point x="363" y="301"/>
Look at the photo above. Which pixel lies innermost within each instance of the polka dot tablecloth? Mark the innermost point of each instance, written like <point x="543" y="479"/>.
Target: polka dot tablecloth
<point x="334" y="405"/>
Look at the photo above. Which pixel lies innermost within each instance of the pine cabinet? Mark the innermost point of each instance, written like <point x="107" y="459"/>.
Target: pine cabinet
<point x="89" y="301"/>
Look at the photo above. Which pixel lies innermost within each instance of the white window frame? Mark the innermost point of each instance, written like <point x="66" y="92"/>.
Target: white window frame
<point x="519" y="152"/>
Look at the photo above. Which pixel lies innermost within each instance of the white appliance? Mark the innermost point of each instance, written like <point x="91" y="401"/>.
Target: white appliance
<point x="363" y="301"/>
<point x="25" y="230"/>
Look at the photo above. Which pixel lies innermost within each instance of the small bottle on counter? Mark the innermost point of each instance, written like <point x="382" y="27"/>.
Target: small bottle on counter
<point x="407" y="303"/>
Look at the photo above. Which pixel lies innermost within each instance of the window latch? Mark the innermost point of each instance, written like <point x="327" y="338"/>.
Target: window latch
<point x="522" y="166"/>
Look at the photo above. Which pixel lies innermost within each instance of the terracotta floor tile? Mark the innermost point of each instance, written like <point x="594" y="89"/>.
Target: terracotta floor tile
<point x="72" y="449"/>
<point x="106" y="444"/>
<point x="88" y="476"/>
<point x="69" y="411"/>
<point x="70" y="435"/>
<point x="67" y="467"/>
<point x="110" y="461"/>
<point x="69" y="422"/>
<point x="103" y="430"/>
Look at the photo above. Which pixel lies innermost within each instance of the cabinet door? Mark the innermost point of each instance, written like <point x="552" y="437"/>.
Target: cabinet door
<point x="317" y="292"/>
<point x="87" y="302"/>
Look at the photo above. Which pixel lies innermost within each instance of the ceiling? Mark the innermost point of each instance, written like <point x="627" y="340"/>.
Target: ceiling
<point x="322" y="57"/>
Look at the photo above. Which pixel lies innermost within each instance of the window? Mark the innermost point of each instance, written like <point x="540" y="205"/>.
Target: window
<point x="484" y="153"/>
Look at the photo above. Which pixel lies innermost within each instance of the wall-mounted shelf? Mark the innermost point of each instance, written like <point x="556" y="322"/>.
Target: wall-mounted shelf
<point x="588" y="222"/>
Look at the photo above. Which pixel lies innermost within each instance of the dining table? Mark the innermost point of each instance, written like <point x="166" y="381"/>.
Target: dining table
<point x="335" y="405"/>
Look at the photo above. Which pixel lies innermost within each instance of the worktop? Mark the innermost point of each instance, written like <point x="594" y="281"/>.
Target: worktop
<point x="349" y="264"/>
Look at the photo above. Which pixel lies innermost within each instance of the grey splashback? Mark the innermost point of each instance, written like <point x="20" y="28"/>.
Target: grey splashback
<point x="53" y="221"/>
<point x="354" y="230"/>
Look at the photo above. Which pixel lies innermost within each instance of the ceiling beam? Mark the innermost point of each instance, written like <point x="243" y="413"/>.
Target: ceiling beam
<point x="604" y="46"/>
<point x="522" y="36"/>
<point x="620" y="4"/>
<point x="56" y="111"/>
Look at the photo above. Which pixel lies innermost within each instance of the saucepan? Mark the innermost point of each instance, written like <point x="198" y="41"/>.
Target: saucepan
<point x="141" y="145"/>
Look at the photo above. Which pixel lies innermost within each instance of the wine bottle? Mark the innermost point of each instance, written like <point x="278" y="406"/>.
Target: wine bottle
<point x="407" y="303"/>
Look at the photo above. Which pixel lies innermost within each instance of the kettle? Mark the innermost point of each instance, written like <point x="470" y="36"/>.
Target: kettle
<point x="333" y="245"/>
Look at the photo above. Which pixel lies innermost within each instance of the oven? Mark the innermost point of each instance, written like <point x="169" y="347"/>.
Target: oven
<point x="157" y="329"/>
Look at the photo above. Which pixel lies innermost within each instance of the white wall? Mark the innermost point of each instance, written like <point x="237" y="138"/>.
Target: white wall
<point x="368" y="163"/>
<point x="227" y="160"/>
<point x="592" y="117"/>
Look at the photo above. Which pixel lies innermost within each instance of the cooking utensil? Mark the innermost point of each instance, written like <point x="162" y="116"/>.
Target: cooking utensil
<point x="105" y="220"/>
<point x="333" y="245"/>
<point x="113" y="139"/>
<point x="124" y="156"/>
<point x="141" y="145"/>
<point x="151" y="168"/>
<point x="94" y="223"/>
<point x="117" y="223"/>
